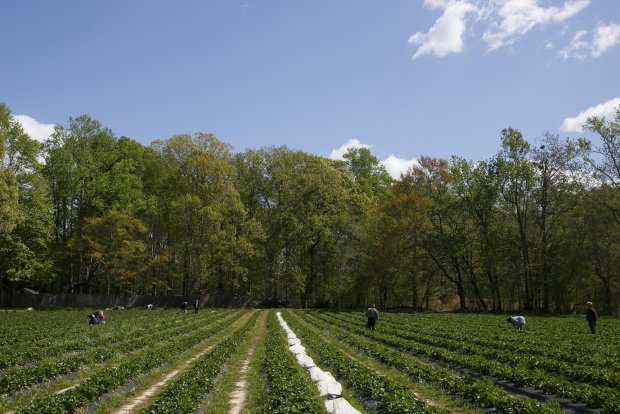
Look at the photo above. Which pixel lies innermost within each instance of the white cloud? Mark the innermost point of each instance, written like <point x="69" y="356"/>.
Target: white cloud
<point x="577" y="47"/>
<point x="504" y="22"/>
<point x="396" y="166"/>
<point x="603" y="38"/>
<point x="446" y="35"/>
<point x="517" y="17"/>
<point x="34" y="128"/>
<point x="337" y="153"/>
<point x="605" y="110"/>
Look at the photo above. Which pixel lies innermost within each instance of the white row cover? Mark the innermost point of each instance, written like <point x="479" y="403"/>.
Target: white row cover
<point x="329" y="388"/>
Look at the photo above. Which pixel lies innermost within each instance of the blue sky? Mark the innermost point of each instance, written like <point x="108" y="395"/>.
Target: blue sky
<point x="408" y="78"/>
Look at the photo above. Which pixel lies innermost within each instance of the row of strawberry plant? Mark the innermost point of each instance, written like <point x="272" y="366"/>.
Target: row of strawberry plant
<point x="541" y="337"/>
<point x="110" y="377"/>
<point x="596" y="397"/>
<point x="186" y="393"/>
<point x="33" y="326"/>
<point x="76" y="339"/>
<point x="39" y="328"/>
<point x="479" y="391"/>
<point x="290" y="388"/>
<point x="392" y="397"/>
<point x="15" y="379"/>
<point x="553" y="337"/>
<point x="524" y="359"/>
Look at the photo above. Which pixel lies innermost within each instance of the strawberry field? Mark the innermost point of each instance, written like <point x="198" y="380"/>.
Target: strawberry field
<point x="255" y="361"/>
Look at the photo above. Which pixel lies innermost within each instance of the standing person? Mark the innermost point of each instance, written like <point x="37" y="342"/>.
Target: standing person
<point x="372" y="314"/>
<point x="517" y="321"/>
<point x="196" y="306"/>
<point x="184" y="307"/>
<point x="591" y="317"/>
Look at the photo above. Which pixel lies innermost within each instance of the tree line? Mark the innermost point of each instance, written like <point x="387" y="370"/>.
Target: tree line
<point x="535" y="227"/>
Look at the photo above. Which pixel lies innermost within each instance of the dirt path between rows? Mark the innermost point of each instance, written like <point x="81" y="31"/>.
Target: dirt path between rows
<point x="139" y="401"/>
<point x="238" y="395"/>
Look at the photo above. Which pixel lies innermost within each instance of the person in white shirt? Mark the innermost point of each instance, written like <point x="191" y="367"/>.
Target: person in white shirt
<point x="517" y="321"/>
<point x="372" y="314"/>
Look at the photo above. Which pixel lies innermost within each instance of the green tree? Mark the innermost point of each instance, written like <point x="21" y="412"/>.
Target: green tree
<point x="89" y="172"/>
<point x="196" y="218"/>
<point x="113" y="251"/>
<point x="447" y="242"/>
<point x="602" y="161"/>
<point x="517" y="181"/>
<point x="370" y="175"/>
<point x="302" y="203"/>
<point x="554" y="196"/>
<point x="396" y="226"/>
<point x="476" y="186"/>
<point x="25" y="226"/>
<point x="10" y="130"/>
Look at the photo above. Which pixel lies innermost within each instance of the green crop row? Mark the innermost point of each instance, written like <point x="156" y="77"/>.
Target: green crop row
<point x="186" y="393"/>
<point x="479" y="391"/>
<point x="109" y="378"/>
<point x="525" y="359"/>
<point x="20" y="377"/>
<point x="596" y="397"/>
<point x="75" y="338"/>
<point x="38" y="327"/>
<point x="392" y="397"/>
<point x="554" y="339"/>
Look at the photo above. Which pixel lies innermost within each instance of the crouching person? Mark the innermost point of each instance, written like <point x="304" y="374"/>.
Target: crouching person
<point x="517" y="321"/>
<point x="96" y="318"/>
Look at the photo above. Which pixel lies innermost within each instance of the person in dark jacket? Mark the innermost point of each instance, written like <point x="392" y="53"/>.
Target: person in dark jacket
<point x="196" y="306"/>
<point x="591" y="317"/>
<point x="372" y="314"/>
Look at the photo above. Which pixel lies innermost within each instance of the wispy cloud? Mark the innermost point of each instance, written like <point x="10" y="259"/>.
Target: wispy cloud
<point x="603" y="38"/>
<point x="518" y="17"/>
<point x="605" y="110"/>
<point x="37" y="130"/>
<point x="446" y="35"/>
<point x="394" y="165"/>
<point x="503" y="22"/>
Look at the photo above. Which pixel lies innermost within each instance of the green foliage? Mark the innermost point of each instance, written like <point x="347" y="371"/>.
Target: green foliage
<point x="113" y="249"/>
<point x="391" y="396"/>
<point x="515" y="230"/>
<point x="25" y="223"/>
<point x="370" y="175"/>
